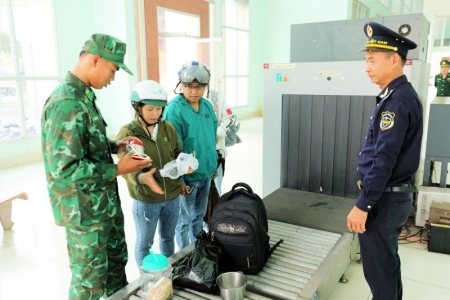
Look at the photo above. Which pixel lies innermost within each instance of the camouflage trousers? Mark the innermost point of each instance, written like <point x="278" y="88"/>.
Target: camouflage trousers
<point x="97" y="255"/>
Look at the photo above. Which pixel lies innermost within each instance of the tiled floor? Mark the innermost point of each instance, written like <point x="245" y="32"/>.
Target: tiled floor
<point x="33" y="259"/>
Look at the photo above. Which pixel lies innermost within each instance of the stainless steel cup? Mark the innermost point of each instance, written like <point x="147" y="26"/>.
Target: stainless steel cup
<point x="232" y="285"/>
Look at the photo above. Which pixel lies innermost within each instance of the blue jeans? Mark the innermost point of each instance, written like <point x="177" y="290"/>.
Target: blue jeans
<point x="192" y="211"/>
<point x="379" y="245"/>
<point x="146" y="217"/>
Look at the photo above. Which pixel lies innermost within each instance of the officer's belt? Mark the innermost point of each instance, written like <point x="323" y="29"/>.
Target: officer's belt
<point x="403" y="188"/>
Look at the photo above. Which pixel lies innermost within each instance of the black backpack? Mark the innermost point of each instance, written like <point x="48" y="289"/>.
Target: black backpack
<point x="239" y="225"/>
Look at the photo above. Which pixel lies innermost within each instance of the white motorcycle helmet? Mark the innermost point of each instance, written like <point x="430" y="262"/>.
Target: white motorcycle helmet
<point x="149" y="92"/>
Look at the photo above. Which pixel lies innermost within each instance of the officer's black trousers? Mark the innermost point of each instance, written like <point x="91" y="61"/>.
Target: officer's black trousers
<point x="379" y="245"/>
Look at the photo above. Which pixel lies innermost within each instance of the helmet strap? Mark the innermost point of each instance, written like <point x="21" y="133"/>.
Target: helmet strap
<point x="175" y="89"/>
<point x="146" y="123"/>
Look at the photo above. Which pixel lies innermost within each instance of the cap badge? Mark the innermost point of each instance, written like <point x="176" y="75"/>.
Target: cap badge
<point x="369" y="31"/>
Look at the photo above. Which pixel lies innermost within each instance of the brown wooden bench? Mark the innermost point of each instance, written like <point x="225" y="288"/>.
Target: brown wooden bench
<point x="6" y="198"/>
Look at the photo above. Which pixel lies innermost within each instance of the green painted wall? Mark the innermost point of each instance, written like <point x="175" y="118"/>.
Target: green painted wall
<point x="270" y="29"/>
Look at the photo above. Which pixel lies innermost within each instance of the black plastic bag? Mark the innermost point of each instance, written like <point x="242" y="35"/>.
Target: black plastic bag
<point x="199" y="269"/>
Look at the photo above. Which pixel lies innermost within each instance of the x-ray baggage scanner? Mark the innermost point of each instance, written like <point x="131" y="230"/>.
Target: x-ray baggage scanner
<point x="317" y="110"/>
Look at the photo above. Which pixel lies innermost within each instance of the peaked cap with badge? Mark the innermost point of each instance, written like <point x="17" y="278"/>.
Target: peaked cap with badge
<point x="108" y="47"/>
<point x="445" y="63"/>
<point x="382" y="38"/>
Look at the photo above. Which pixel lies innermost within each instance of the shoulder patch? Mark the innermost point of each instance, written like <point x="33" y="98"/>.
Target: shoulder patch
<point x="387" y="120"/>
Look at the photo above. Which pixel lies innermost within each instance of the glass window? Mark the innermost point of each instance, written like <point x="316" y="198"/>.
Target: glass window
<point x="230" y="51"/>
<point x="359" y="10"/>
<point x="176" y="30"/>
<point x="439" y="27"/>
<point x="236" y="62"/>
<point x="10" y="124"/>
<point x="242" y="91"/>
<point x="242" y="14"/>
<point x="28" y="65"/>
<point x="6" y="53"/>
<point x="447" y="32"/>
<point x="242" y="57"/>
<point x="230" y="13"/>
<point x="178" y="22"/>
<point x="35" y="38"/>
<point x="231" y="91"/>
<point x="34" y="95"/>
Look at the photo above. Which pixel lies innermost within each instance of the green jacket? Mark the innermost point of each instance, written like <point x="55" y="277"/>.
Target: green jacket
<point x="165" y="149"/>
<point x="197" y="134"/>
<point x="443" y="85"/>
<point x="81" y="174"/>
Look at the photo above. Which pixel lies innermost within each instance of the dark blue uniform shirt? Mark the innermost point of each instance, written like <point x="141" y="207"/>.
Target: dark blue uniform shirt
<point x="391" y="152"/>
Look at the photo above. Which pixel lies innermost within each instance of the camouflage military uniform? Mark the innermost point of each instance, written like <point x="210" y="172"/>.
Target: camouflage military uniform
<point x="83" y="191"/>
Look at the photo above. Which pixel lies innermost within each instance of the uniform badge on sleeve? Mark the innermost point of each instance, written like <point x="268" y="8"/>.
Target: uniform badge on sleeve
<point x="387" y="120"/>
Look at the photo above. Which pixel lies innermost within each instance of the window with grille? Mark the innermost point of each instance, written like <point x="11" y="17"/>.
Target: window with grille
<point x="235" y="32"/>
<point x="28" y="65"/>
<point x="442" y="34"/>
<point x="359" y="10"/>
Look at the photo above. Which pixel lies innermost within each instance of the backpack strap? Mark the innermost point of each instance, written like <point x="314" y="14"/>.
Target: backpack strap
<point x="275" y="246"/>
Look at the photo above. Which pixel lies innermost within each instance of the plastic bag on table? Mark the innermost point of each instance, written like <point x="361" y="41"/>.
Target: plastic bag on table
<point x="199" y="269"/>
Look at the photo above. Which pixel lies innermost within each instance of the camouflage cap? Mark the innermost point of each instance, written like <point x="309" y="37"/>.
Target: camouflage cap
<point x="109" y="48"/>
<point x="445" y="63"/>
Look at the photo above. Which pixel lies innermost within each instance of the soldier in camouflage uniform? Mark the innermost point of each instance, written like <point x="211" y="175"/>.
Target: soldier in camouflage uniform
<point x="442" y="80"/>
<point x="81" y="174"/>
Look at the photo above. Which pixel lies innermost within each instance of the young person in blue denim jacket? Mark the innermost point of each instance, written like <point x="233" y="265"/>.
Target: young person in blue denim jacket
<point x="195" y="120"/>
<point x="151" y="206"/>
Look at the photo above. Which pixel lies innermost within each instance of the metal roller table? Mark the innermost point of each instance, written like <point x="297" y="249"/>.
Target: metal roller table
<point x="316" y="251"/>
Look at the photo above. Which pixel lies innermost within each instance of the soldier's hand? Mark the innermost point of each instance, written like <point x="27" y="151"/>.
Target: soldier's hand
<point x="129" y="165"/>
<point x="122" y="144"/>
<point x="356" y="220"/>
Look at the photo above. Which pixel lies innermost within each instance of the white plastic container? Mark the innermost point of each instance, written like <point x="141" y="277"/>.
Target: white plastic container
<point x="156" y="277"/>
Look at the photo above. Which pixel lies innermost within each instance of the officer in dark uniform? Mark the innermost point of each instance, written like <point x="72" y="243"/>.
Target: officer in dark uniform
<point x="388" y="161"/>
<point x="442" y="80"/>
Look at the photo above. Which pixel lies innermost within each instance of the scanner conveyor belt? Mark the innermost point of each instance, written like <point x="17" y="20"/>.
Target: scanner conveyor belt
<point x="300" y="268"/>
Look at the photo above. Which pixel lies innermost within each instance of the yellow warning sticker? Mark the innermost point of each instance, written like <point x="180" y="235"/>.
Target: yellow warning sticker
<point x="330" y="73"/>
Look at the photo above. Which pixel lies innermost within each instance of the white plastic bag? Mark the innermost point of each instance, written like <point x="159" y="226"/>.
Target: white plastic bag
<point x="180" y="166"/>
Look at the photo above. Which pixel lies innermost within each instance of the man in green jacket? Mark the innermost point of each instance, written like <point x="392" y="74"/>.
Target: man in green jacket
<point x="195" y="120"/>
<point x="442" y="80"/>
<point x="81" y="174"/>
